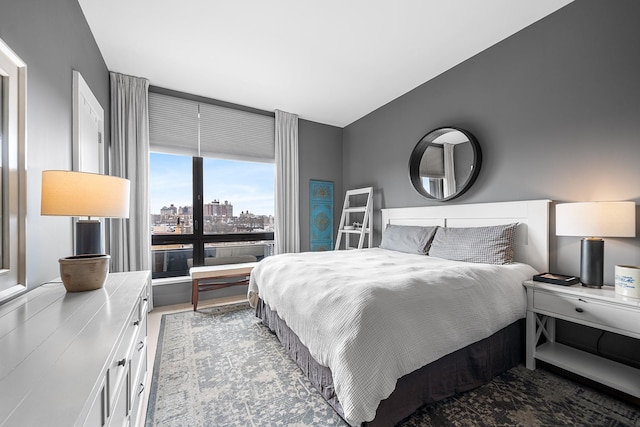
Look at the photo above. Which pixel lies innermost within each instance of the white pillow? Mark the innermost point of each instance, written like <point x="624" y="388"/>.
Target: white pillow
<point x="407" y="238"/>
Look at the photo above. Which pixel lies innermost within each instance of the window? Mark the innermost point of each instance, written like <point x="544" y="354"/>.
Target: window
<point x="12" y="172"/>
<point x="234" y="222"/>
<point x="241" y="196"/>
<point x="211" y="184"/>
<point x="171" y="192"/>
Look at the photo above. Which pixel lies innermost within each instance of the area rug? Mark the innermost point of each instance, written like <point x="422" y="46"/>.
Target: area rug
<point x="221" y="367"/>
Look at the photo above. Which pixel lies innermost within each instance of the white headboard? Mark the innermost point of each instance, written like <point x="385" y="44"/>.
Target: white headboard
<point x="532" y="233"/>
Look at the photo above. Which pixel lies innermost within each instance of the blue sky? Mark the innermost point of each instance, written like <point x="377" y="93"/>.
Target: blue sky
<point x="246" y="185"/>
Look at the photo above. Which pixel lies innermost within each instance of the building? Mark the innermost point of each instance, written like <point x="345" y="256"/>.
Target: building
<point x="168" y="214"/>
<point x="215" y="209"/>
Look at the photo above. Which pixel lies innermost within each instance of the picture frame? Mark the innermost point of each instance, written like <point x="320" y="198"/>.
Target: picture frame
<point x="320" y="215"/>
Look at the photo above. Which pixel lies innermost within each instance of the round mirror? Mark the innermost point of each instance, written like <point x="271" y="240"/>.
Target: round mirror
<point x="445" y="163"/>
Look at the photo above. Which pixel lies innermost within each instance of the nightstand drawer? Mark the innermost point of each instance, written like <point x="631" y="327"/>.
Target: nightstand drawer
<point x="588" y="311"/>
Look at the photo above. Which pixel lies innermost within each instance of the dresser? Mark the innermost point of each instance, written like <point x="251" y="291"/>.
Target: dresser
<point x="598" y="308"/>
<point x="75" y="359"/>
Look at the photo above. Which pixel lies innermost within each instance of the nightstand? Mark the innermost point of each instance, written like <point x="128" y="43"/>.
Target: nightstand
<point x="599" y="308"/>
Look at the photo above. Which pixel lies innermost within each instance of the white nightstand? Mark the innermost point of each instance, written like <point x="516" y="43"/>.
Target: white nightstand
<point x="599" y="308"/>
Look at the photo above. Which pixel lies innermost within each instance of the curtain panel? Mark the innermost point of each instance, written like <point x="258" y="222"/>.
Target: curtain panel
<point x="287" y="220"/>
<point x="449" y="169"/>
<point x="130" y="239"/>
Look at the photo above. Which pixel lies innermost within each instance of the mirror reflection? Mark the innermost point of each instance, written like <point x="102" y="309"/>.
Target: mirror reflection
<point x="2" y="167"/>
<point x="444" y="163"/>
<point x="13" y="124"/>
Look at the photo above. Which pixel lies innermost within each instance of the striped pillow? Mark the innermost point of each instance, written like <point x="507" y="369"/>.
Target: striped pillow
<point x="488" y="245"/>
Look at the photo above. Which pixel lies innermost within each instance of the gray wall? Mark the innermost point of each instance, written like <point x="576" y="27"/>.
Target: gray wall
<point x="320" y="154"/>
<point x="556" y="110"/>
<point x="53" y="38"/>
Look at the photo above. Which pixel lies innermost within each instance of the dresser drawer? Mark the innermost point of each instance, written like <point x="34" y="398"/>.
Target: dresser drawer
<point x="139" y="359"/>
<point x="588" y="311"/>
<point x="120" y="411"/>
<point x="143" y="305"/>
<point x="98" y="413"/>
<point x="138" y="402"/>
<point x="121" y="362"/>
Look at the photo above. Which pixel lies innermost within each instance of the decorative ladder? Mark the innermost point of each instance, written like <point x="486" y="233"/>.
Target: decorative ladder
<point x="360" y="211"/>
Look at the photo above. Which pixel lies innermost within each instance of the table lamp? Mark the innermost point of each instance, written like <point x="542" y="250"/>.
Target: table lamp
<point x="83" y="194"/>
<point x="592" y="221"/>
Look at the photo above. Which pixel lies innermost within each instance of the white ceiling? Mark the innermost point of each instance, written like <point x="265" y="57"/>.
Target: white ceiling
<point x="330" y="61"/>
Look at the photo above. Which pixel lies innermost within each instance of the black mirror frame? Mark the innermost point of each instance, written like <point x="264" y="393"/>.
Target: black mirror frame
<point x="421" y="147"/>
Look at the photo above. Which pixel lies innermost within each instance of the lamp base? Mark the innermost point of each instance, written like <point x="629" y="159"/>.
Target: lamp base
<point x="81" y="273"/>
<point x="88" y="237"/>
<point x="592" y="286"/>
<point x="592" y="262"/>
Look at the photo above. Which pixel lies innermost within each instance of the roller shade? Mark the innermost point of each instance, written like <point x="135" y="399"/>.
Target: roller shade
<point x="224" y="132"/>
<point x="173" y="125"/>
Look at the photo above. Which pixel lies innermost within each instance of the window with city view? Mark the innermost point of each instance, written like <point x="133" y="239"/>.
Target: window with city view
<point x="209" y="211"/>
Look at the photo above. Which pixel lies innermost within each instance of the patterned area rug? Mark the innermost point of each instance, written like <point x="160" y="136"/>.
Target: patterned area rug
<point x="221" y="367"/>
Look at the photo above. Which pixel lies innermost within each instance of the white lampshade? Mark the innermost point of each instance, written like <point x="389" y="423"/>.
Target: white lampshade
<point x="596" y="219"/>
<point x="69" y="193"/>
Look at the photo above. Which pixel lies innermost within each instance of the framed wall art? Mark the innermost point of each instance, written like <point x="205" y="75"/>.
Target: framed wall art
<point x="321" y="215"/>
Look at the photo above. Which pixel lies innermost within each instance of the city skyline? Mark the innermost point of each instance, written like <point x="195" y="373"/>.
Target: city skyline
<point x="248" y="186"/>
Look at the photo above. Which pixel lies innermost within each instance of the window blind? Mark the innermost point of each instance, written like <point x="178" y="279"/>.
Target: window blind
<point x="173" y="125"/>
<point x="223" y="132"/>
<point x="432" y="163"/>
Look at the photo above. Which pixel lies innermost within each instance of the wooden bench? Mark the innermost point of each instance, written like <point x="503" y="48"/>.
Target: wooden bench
<point x="209" y="277"/>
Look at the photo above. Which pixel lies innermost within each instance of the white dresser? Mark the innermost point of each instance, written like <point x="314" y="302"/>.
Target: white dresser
<point x="75" y="359"/>
<point x="598" y="308"/>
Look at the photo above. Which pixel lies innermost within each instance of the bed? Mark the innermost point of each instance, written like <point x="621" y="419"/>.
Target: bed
<point x="381" y="332"/>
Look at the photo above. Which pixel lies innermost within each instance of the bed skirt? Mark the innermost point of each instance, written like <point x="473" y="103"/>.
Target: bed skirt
<point x="457" y="372"/>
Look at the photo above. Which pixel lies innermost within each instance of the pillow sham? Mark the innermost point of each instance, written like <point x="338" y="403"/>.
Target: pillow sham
<point x="407" y="238"/>
<point x="489" y="245"/>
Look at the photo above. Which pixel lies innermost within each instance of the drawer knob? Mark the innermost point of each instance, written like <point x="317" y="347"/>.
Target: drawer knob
<point x="579" y="310"/>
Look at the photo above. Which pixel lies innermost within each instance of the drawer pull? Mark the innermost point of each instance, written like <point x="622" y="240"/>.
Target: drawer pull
<point x="141" y="389"/>
<point x="122" y="362"/>
<point x="579" y="310"/>
<point x="136" y="323"/>
<point x="140" y="346"/>
<point x="145" y="299"/>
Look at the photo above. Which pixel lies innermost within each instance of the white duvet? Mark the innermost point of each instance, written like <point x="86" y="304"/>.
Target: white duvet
<point x="374" y="315"/>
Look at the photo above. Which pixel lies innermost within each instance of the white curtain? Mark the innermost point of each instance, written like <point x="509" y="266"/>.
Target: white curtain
<point x="449" y="169"/>
<point x="130" y="239"/>
<point x="287" y="221"/>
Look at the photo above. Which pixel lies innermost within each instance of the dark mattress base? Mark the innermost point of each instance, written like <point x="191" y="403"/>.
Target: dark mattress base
<point x="460" y="371"/>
